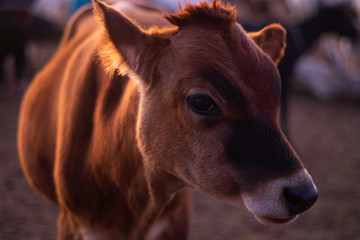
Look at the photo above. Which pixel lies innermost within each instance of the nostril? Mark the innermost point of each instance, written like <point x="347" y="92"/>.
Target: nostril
<point x="300" y="199"/>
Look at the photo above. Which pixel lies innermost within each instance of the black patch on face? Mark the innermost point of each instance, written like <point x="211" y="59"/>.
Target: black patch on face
<point x="261" y="151"/>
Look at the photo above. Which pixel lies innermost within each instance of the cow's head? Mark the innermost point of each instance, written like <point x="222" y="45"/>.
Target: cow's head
<point x="209" y="108"/>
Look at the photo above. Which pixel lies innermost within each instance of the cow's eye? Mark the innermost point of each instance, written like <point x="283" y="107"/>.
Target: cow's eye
<point x="203" y="104"/>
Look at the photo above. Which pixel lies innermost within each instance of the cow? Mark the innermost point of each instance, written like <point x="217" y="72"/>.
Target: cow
<point x="124" y="122"/>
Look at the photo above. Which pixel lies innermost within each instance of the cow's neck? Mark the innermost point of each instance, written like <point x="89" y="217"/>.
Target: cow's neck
<point x="142" y="189"/>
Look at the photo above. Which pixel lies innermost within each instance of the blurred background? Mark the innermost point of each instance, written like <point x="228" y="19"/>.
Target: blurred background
<point x="320" y="105"/>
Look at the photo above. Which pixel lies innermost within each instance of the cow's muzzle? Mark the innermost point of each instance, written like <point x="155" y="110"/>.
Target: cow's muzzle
<point x="281" y="200"/>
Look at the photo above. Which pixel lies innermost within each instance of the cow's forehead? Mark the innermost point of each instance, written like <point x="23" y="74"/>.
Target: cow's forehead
<point x="228" y="58"/>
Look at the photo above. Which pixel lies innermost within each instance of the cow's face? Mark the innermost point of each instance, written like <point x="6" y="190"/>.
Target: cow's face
<point x="209" y="106"/>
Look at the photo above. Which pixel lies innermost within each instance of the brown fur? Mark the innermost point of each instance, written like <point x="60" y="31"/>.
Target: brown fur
<point x="105" y="131"/>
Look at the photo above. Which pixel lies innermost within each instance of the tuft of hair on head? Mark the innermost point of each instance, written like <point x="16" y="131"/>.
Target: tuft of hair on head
<point x="213" y="4"/>
<point x="203" y="11"/>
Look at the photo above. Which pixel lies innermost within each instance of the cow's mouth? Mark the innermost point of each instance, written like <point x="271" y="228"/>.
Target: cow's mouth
<point x="274" y="220"/>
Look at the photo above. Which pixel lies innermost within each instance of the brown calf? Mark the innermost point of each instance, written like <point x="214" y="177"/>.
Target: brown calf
<point x="123" y="121"/>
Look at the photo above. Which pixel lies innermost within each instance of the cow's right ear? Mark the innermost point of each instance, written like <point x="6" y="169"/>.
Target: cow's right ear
<point x="122" y="36"/>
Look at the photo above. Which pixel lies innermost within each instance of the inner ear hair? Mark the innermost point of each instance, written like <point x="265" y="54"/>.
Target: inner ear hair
<point x="120" y="47"/>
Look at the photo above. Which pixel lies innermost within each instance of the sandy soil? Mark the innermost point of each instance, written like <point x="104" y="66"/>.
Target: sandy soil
<point x="326" y="135"/>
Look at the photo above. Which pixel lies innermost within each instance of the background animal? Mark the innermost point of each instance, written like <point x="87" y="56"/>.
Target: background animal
<point x="92" y="147"/>
<point x="330" y="19"/>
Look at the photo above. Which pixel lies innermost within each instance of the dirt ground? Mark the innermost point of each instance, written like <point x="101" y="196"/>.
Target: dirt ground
<point x="326" y="135"/>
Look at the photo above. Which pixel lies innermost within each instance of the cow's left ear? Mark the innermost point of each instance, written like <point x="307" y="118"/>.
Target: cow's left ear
<point x="272" y="40"/>
<point x="126" y="45"/>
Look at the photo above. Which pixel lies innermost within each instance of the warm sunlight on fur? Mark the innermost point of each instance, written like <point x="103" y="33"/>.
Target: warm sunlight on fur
<point x="123" y="122"/>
